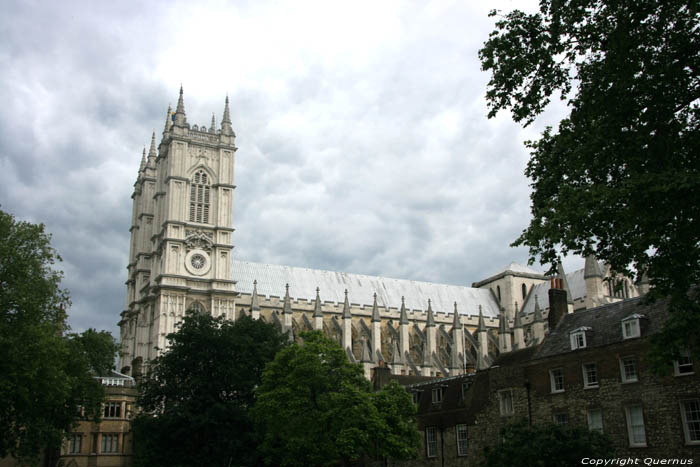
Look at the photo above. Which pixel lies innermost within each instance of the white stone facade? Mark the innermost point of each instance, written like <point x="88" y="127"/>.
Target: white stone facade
<point x="181" y="259"/>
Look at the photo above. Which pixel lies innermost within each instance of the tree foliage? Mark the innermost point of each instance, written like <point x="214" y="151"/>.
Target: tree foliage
<point x="197" y="395"/>
<point x="546" y="445"/>
<point x="315" y="408"/>
<point x="620" y="176"/>
<point x="47" y="376"/>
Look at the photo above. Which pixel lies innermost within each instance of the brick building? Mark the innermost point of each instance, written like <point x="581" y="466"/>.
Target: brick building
<point x="590" y="370"/>
<point x="108" y="443"/>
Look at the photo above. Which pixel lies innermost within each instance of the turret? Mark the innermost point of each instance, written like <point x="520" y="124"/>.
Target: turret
<point x="403" y="330"/>
<point x="180" y="117"/>
<point x="287" y="314"/>
<point x="430" y="338"/>
<point x="376" y="330"/>
<point x="594" y="282"/>
<point x="254" y="302"/>
<point x="347" y="324"/>
<point x="518" y="331"/>
<point x="457" y="349"/>
<point x="318" y="314"/>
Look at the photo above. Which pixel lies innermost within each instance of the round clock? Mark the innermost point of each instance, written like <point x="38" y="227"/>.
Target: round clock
<point x="197" y="262"/>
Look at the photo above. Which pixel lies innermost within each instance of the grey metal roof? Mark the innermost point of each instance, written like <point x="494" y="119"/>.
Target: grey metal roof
<point x="361" y="288"/>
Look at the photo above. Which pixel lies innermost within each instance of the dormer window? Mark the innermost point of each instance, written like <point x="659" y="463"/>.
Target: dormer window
<point x="630" y="326"/>
<point x="438" y="394"/>
<point x="578" y="338"/>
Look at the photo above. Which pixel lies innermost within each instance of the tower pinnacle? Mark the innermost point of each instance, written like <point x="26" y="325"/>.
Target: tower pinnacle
<point x="226" y="128"/>
<point x="152" y="152"/>
<point x="180" y="117"/>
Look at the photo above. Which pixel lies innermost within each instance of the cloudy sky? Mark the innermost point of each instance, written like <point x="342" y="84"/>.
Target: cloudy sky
<point x="362" y="132"/>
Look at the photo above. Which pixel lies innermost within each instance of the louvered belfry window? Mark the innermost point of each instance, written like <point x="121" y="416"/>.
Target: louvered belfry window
<point x="199" y="198"/>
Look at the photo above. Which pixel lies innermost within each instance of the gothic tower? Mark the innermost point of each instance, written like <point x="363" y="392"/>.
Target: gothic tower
<point x="181" y="234"/>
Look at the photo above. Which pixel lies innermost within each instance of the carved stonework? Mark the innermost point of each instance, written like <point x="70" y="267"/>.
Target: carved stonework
<point x="199" y="240"/>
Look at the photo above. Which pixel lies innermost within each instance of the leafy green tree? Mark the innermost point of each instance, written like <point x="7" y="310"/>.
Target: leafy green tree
<point x="47" y="377"/>
<point x="197" y="395"/>
<point x="315" y="408"/>
<point x="399" y="438"/>
<point x="546" y="445"/>
<point x="620" y="176"/>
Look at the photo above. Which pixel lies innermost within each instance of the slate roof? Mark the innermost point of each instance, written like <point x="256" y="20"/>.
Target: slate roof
<point x="361" y="288"/>
<point x="605" y="324"/>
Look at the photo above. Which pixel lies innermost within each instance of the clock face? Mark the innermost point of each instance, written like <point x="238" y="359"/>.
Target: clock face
<point x="198" y="261"/>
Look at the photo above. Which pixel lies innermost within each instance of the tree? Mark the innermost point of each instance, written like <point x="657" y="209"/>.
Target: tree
<point x="620" y="176"/>
<point x="197" y="395"/>
<point x="315" y="408"/>
<point x="47" y="376"/>
<point x="546" y="445"/>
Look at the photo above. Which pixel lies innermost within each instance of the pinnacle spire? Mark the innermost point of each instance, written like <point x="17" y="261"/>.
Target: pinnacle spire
<point x="212" y="128"/>
<point x="180" y="117"/>
<point x="502" y="329"/>
<point x="456" y="322"/>
<point x="482" y="325"/>
<point x="143" y="160"/>
<point x="168" y="120"/>
<point x="317" y="305"/>
<point x="287" y="307"/>
<point x="375" y="310"/>
<point x="430" y="322"/>
<point x="254" y="305"/>
<point x="517" y="323"/>
<point x="226" y="121"/>
<point x="346" y="307"/>
<point x="152" y="152"/>
<point x="403" y="319"/>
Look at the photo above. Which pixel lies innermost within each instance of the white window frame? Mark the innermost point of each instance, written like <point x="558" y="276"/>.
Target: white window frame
<point x="695" y="421"/>
<point x="594" y="417"/>
<point x="552" y="380"/>
<point x="633" y="332"/>
<point x="635" y="443"/>
<point x="635" y="326"/>
<point x="578" y="340"/>
<point x="623" y="373"/>
<point x="587" y="383"/>
<point x="564" y="420"/>
<point x="685" y="366"/>
<point x="505" y="402"/>
<point x="461" y="435"/>
<point x="438" y="395"/>
<point x="431" y="441"/>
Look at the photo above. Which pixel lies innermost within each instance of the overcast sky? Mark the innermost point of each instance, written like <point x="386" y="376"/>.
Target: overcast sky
<point x="363" y="140"/>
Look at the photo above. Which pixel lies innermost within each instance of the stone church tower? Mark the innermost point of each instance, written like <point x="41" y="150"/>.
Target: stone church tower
<point x="181" y="234"/>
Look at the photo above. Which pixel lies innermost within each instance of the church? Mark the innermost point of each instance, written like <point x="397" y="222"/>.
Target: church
<point x="181" y="259"/>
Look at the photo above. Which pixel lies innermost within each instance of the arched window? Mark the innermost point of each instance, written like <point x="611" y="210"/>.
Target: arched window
<point x="498" y="289"/>
<point x="199" y="198"/>
<point x="197" y="307"/>
<point x="524" y="287"/>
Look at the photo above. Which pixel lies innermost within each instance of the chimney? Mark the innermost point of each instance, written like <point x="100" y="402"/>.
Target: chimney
<point x="381" y="377"/>
<point x="557" y="307"/>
